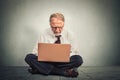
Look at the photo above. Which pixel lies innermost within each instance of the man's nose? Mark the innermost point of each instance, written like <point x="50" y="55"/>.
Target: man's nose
<point x="57" y="29"/>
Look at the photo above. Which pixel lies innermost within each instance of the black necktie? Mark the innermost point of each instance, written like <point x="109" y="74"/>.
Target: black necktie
<point x="58" y="41"/>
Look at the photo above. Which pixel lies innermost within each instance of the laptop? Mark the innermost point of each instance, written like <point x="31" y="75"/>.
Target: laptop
<point x="54" y="52"/>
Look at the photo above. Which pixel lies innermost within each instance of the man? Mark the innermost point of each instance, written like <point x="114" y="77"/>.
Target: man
<point x="56" y="34"/>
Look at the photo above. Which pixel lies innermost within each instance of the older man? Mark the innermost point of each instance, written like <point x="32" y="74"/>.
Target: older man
<point x="56" y="34"/>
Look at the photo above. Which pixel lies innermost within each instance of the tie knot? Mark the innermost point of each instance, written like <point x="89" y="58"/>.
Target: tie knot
<point x="58" y="36"/>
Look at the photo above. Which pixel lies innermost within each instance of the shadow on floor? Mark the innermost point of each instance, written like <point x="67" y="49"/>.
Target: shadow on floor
<point x="85" y="73"/>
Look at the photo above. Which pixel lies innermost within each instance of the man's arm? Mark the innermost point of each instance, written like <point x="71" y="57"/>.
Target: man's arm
<point x="74" y="44"/>
<point x="40" y="40"/>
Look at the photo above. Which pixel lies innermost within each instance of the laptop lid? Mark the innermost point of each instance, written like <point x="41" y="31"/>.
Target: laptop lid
<point x="54" y="52"/>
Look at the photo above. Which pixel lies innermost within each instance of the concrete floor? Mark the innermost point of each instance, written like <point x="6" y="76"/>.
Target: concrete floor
<point x="85" y="73"/>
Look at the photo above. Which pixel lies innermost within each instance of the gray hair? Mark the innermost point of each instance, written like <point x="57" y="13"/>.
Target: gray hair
<point x="57" y="15"/>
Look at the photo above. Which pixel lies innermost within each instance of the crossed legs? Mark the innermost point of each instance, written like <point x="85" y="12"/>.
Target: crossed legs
<point x="55" y="67"/>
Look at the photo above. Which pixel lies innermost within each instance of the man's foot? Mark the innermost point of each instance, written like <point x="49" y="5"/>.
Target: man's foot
<point x="33" y="71"/>
<point x="71" y="73"/>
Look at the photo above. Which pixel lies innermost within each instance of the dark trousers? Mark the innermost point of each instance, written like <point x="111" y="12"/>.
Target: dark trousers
<point x="47" y="67"/>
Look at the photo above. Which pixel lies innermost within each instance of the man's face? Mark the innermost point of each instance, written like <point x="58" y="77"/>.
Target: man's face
<point x="56" y="25"/>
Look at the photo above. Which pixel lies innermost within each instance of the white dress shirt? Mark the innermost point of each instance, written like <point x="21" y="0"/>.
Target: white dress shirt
<point x="66" y="38"/>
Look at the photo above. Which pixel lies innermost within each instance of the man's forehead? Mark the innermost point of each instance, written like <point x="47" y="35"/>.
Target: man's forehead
<point x="54" y="19"/>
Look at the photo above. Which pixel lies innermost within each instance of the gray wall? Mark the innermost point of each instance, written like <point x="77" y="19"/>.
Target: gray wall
<point x="95" y="22"/>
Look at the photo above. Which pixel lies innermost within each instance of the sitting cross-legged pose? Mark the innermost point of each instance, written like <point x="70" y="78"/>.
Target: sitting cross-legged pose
<point x="56" y="34"/>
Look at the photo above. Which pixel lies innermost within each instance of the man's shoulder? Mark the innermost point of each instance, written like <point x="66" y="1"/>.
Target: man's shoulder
<point x="45" y="31"/>
<point x="68" y="31"/>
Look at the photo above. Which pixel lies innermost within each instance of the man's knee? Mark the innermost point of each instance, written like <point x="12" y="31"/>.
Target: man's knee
<point x="77" y="60"/>
<point x="29" y="57"/>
